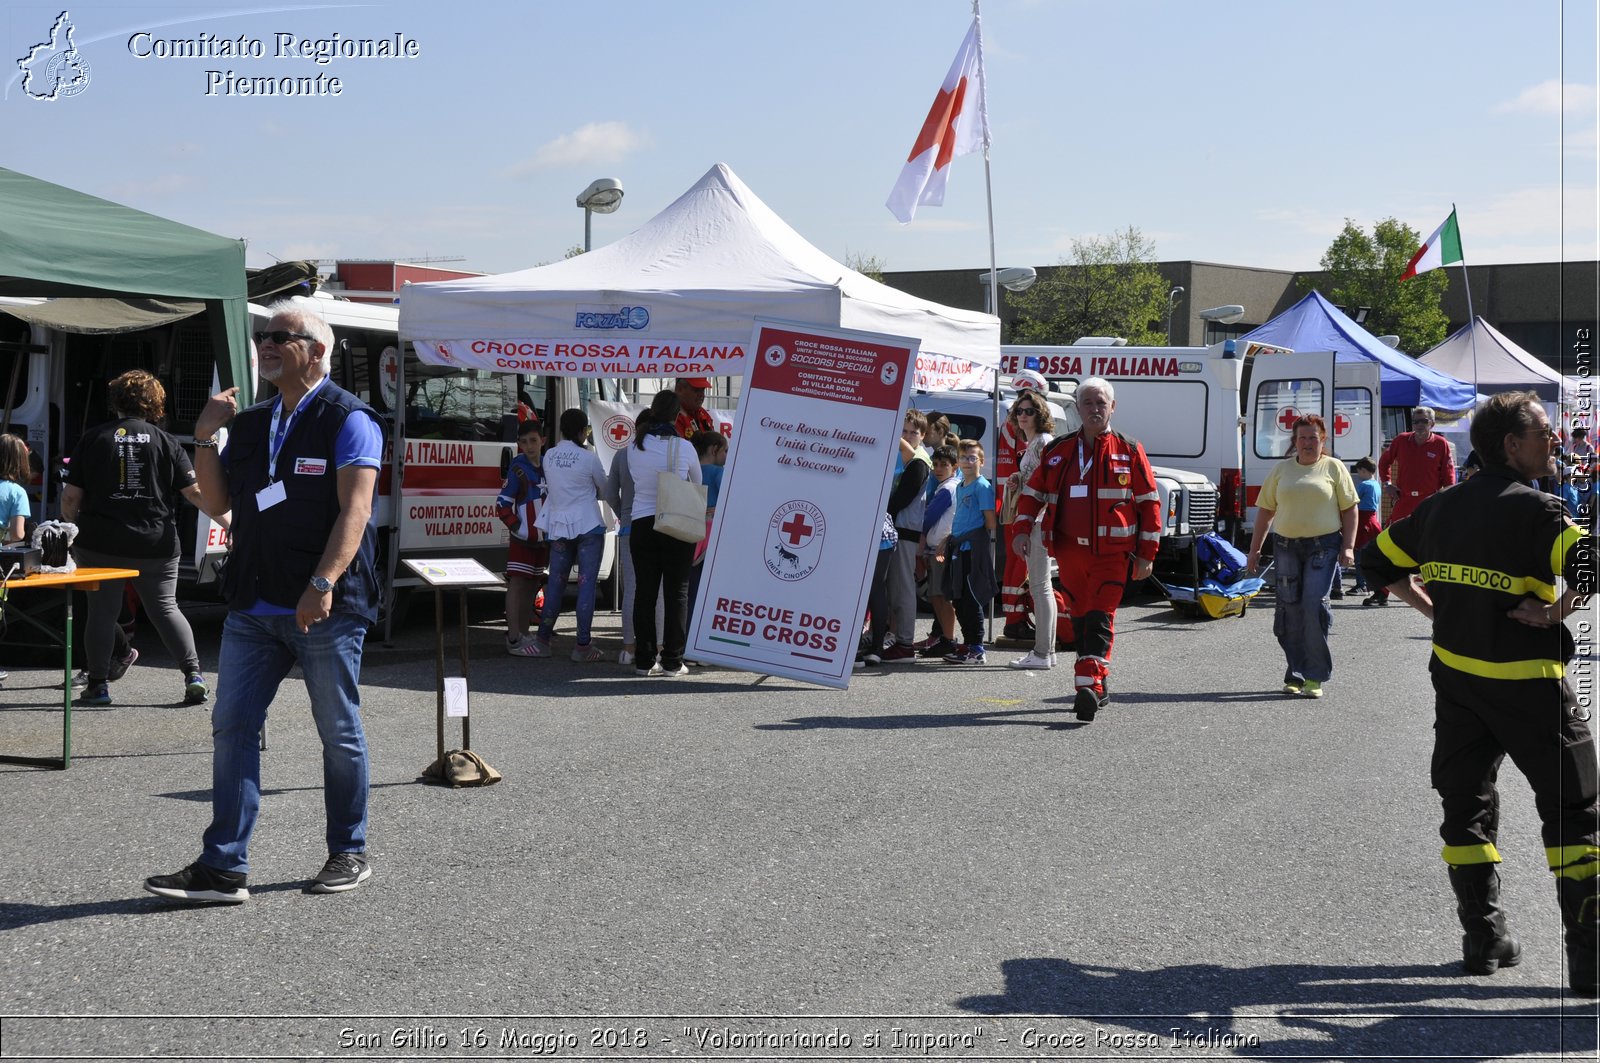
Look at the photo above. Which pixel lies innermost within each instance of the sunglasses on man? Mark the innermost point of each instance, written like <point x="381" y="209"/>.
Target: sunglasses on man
<point x="279" y="336"/>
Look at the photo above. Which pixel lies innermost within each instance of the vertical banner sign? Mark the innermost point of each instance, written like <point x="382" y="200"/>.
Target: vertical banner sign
<point x="802" y="503"/>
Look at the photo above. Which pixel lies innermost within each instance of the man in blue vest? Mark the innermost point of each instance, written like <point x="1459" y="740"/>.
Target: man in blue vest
<point x="299" y="472"/>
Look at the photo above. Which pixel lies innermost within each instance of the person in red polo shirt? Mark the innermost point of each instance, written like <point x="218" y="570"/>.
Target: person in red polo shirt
<point x="1417" y="464"/>
<point x="693" y="416"/>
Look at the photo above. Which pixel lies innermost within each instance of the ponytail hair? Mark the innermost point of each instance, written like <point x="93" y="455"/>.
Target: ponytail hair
<point x="663" y="409"/>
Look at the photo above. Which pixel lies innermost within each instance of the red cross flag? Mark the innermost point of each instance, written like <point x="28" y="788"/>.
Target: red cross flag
<point x="957" y="124"/>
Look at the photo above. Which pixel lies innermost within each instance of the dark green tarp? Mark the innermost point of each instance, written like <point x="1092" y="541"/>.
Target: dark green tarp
<point x="58" y="242"/>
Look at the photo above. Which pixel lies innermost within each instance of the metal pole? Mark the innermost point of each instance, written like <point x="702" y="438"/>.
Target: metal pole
<point x="462" y="633"/>
<point x="438" y="637"/>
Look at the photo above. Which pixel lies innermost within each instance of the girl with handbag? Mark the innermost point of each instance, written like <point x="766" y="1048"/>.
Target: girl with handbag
<point x="660" y="561"/>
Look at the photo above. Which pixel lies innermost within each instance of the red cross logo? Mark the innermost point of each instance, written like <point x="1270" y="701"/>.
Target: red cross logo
<point x="391" y="370"/>
<point x="1341" y="424"/>
<point x="1288" y="417"/>
<point x="796" y="529"/>
<point x="619" y="432"/>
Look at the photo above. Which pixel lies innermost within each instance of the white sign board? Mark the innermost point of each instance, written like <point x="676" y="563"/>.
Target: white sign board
<point x="802" y="503"/>
<point x="450" y="571"/>
<point x="455" y="696"/>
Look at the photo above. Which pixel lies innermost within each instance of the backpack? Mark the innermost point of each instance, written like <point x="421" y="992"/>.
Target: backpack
<point x="1219" y="559"/>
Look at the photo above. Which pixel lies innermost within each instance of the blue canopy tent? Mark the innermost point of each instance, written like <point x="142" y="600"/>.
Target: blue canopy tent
<point x="1314" y="324"/>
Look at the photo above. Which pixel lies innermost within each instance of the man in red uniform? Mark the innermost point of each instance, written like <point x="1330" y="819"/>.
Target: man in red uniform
<point x="1426" y="465"/>
<point x="1095" y="500"/>
<point x="693" y="416"/>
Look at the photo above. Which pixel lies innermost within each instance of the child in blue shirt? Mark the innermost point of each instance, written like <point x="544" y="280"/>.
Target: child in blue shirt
<point x="969" y="552"/>
<point x="712" y="450"/>
<point x="1369" y="497"/>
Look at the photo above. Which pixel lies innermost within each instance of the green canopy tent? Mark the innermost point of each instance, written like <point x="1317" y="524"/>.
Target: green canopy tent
<point x="56" y="242"/>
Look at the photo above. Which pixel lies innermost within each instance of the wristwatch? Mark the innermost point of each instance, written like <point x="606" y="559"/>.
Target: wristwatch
<point x="322" y="583"/>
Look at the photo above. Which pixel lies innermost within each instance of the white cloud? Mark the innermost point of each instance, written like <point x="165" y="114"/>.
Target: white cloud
<point x="1552" y="97"/>
<point x="595" y="144"/>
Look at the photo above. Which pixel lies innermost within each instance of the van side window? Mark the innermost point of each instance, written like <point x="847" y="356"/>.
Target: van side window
<point x="1350" y="431"/>
<point x="1278" y="403"/>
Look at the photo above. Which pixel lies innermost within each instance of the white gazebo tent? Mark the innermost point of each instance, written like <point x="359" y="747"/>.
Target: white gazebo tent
<point x="1500" y="364"/>
<point x="678" y="297"/>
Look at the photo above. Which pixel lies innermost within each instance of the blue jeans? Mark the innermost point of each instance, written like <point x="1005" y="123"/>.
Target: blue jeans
<point x="585" y="550"/>
<point x="257" y="652"/>
<point x="1303" y="618"/>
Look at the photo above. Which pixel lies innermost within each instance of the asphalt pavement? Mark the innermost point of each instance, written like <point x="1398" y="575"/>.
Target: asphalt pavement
<point x="938" y="863"/>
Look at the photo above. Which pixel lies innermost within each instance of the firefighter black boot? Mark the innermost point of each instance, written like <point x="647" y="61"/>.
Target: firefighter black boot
<point x="1486" y="946"/>
<point x="1580" y="913"/>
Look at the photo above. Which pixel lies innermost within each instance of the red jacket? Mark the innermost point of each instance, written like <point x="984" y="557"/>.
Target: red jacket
<point x="700" y="420"/>
<point x="1122" y="489"/>
<point x="1425" y="469"/>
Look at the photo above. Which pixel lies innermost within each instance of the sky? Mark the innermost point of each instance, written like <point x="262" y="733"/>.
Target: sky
<point x="1242" y="132"/>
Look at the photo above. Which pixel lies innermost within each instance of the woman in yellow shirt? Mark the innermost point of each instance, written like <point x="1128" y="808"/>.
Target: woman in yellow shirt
<point x="1309" y="501"/>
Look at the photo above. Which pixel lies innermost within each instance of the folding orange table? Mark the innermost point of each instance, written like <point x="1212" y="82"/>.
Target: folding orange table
<point x="86" y="579"/>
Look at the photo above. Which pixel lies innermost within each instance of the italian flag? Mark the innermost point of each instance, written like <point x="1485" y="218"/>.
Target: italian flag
<point x="1443" y="248"/>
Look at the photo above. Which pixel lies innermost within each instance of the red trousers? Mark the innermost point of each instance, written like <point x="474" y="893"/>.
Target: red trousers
<point x="1015" y="603"/>
<point x="1093" y="585"/>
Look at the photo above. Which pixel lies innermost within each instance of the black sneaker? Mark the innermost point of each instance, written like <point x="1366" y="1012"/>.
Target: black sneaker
<point x="1086" y="704"/>
<point x="939" y="649"/>
<point x="194" y="689"/>
<point x="94" y="694"/>
<point x="119" y="665"/>
<point x="343" y="871"/>
<point x="200" y="882"/>
<point x="1019" y="632"/>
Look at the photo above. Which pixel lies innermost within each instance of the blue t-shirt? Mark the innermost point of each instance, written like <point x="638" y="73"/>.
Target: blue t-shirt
<point x="1369" y="496"/>
<point x="972" y="502"/>
<point x="13" y="503"/>
<point x="711" y="476"/>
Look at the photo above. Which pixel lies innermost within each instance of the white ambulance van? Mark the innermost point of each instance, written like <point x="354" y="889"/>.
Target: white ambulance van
<point x="1222" y="411"/>
<point x="1188" y="498"/>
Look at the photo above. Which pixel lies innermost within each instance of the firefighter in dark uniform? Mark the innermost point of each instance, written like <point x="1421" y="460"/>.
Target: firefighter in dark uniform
<point x="1489" y="552"/>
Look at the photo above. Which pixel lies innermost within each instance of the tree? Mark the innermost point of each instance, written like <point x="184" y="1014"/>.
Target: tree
<point x="866" y="265"/>
<point x="1109" y="287"/>
<point x="1364" y="270"/>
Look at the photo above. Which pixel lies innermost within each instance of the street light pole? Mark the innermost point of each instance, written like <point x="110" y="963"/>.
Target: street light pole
<point x="601" y="197"/>
<point x="1172" y="300"/>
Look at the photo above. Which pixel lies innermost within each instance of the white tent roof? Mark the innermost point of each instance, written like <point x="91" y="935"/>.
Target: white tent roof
<point x="679" y="297"/>
<point x="1501" y="365"/>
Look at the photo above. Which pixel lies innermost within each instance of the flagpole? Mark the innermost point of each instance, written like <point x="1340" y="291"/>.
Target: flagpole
<point x="994" y="269"/>
<point x="1472" y="319"/>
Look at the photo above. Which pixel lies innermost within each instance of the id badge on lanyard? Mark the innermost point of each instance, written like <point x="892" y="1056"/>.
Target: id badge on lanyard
<point x="274" y="493"/>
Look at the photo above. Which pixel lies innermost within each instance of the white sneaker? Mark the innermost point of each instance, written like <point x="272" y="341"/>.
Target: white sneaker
<point x="658" y="672"/>
<point x="529" y="647"/>
<point x="625" y="657"/>
<point x="1033" y="660"/>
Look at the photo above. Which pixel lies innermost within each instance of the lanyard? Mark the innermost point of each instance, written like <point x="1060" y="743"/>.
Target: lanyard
<point x="1083" y="462"/>
<point x="275" y="438"/>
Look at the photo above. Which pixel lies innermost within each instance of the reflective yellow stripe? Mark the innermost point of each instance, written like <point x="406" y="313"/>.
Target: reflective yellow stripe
<point x="1574" y="861"/>
<point x="1534" y="669"/>
<point x="1148" y="496"/>
<point x="1462" y="855"/>
<point x="1115" y="492"/>
<point x="1563" y="543"/>
<point x="1393" y="552"/>
<point x="1486" y="579"/>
